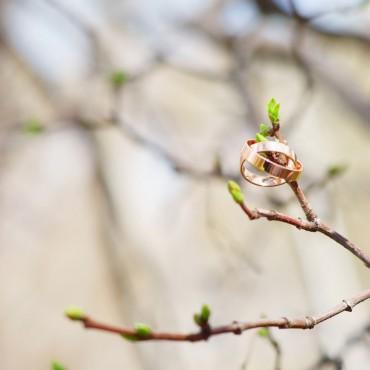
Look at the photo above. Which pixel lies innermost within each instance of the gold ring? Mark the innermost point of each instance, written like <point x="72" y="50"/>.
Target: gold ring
<point x="278" y="174"/>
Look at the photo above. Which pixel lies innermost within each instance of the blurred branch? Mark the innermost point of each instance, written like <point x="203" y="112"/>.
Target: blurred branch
<point x="325" y="361"/>
<point x="99" y="55"/>
<point x="338" y="359"/>
<point x="236" y="75"/>
<point x="268" y="7"/>
<point x="110" y="229"/>
<point x="346" y="8"/>
<point x="307" y="92"/>
<point x="267" y="334"/>
<point x="134" y="134"/>
<point x="304" y="60"/>
<point x="277" y="348"/>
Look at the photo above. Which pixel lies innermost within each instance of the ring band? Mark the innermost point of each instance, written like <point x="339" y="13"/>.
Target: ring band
<point x="249" y="154"/>
<point x="279" y="174"/>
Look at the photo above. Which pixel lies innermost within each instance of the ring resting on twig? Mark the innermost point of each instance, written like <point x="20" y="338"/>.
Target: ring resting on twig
<point x="255" y="154"/>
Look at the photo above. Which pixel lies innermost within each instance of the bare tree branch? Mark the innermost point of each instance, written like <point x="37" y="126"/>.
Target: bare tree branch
<point x="312" y="226"/>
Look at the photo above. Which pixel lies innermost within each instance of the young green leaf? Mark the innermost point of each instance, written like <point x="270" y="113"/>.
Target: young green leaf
<point x="273" y="111"/>
<point x="205" y="313"/>
<point x="264" y="130"/>
<point x="260" y="138"/>
<point x="235" y="191"/>
<point x="202" y="318"/>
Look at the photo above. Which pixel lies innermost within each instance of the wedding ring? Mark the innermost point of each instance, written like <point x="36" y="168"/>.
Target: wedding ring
<point x="278" y="174"/>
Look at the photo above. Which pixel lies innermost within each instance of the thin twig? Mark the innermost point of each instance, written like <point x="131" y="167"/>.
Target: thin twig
<point x="237" y="328"/>
<point x="312" y="226"/>
<point x="303" y="201"/>
<point x="250" y="349"/>
<point x="277" y="348"/>
<point x="98" y="53"/>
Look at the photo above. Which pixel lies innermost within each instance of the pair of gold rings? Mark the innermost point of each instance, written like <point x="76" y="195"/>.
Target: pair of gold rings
<point x="262" y="155"/>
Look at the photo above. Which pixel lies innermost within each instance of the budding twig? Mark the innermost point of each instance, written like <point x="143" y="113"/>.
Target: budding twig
<point x="315" y="224"/>
<point x="307" y="322"/>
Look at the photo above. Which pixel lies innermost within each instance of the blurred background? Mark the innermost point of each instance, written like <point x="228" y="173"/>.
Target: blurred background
<point x="121" y="122"/>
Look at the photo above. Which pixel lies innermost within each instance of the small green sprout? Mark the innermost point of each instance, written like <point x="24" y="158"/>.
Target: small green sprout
<point x="74" y="313"/>
<point x="235" y="191"/>
<point x="202" y="318"/>
<point x="142" y="331"/>
<point x="260" y="138"/>
<point x="264" y="129"/>
<point x="273" y="109"/>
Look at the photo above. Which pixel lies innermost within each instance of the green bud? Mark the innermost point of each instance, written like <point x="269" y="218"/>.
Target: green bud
<point x="142" y="330"/>
<point x="264" y="130"/>
<point x="260" y="138"/>
<point x="273" y="111"/>
<point x="202" y="318"/>
<point x="263" y="332"/>
<point x="33" y="127"/>
<point x="55" y="365"/>
<point x="75" y="313"/>
<point x="336" y="170"/>
<point x="118" y="78"/>
<point x="235" y="191"/>
<point x="205" y="313"/>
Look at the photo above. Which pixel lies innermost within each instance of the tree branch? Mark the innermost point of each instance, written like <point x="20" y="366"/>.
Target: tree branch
<point x="303" y="201"/>
<point x="312" y="226"/>
<point x="237" y="328"/>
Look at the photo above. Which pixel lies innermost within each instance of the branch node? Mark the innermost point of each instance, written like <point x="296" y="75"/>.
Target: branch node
<point x="310" y="322"/>
<point x="349" y="307"/>
<point x="237" y="329"/>
<point x="317" y="223"/>
<point x="287" y="323"/>
<point x="206" y="331"/>
<point x="255" y="214"/>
